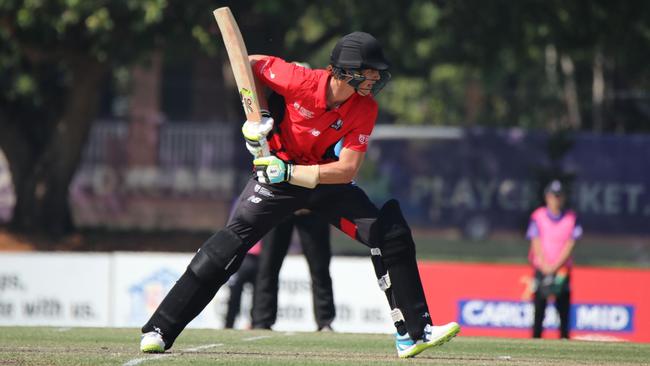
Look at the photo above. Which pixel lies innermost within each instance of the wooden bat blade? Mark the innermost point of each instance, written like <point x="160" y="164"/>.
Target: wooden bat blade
<point x="238" y="56"/>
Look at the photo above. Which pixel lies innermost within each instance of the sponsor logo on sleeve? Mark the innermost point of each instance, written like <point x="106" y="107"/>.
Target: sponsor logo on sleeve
<point x="363" y="139"/>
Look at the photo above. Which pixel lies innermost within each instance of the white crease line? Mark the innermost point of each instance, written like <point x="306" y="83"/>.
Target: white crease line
<point x="255" y="338"/>
<point x="138" y="361"/>
<point x="202" y="347"/>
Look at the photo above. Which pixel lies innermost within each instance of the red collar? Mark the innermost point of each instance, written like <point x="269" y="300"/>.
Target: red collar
<point x="321" y="102"/>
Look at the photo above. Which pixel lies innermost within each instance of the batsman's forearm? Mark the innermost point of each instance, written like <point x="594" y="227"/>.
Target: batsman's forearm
<point x="309" y="176"/>
<point x="337" y="173"/>
<point x="304" y="175"/>
<point x="344" y="170"/>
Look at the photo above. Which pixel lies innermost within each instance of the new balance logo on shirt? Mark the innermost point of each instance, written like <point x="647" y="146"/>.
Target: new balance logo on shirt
<point x="337" y="125"/>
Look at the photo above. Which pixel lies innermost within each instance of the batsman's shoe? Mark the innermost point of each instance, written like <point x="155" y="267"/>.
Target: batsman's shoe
<point x="434" y="335"/>
<point x="152" y="342"/>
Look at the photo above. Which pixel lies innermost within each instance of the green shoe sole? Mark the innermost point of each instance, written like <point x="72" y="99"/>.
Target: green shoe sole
<point x="422" y="346"/>
<point x="152" y="348"/>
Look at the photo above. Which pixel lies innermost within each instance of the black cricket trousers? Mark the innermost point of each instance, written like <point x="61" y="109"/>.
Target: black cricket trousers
<point x="314" y="234"/>
<point x="261" y="207"/>
<point x="247" y="273"/>
<point x="562" y="304"/>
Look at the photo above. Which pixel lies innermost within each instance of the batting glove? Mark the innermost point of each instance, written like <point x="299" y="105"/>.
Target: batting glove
<point x="255" y="134"/>
<point x="271" y="170"/>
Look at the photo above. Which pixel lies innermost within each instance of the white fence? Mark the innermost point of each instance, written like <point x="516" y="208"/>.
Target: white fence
<point x="123" y="289"/>
<point x="188" y="144"/>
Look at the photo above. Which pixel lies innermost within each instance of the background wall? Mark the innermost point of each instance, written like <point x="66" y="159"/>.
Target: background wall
<point x="123" y="289"/>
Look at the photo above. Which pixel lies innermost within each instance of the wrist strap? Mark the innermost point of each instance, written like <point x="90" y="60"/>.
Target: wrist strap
<point x="304" y="175"/>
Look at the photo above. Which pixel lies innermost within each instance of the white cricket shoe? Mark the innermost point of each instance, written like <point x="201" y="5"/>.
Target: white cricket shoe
<point x="152" y="342"/>
<point x="434" y="335"/>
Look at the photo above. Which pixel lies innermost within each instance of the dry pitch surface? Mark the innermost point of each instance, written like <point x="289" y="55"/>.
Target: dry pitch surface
<point x="110" y="346"/>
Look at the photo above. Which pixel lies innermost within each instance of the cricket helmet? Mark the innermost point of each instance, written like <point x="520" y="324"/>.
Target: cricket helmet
<point x="358" y="51"/>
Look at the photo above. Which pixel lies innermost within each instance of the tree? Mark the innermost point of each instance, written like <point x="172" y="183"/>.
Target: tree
<point x="55" y="57"/>
<point x="495" y="63"/>
<point x="546" y="62"/>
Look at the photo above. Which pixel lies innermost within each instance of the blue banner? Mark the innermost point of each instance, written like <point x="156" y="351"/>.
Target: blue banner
<point x="493" y="179"/>
<point x="519" y="314"/>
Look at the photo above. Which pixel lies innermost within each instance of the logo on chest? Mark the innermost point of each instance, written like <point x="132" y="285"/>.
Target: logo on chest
<point x="337" y="125"/>
<point x="303" y="111"/>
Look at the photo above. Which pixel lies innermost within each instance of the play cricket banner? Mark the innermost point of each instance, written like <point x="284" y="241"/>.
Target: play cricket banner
<point x="482" y="180"/>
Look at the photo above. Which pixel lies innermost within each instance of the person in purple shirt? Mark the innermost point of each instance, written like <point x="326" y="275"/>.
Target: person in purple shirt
<point x="552" y="233"/>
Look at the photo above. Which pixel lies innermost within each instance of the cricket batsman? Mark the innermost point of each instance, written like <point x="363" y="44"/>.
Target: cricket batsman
<point x="322" y="106"/>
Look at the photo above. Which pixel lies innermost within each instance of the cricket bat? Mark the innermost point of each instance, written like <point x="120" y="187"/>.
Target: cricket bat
<point x="239" y="63"/>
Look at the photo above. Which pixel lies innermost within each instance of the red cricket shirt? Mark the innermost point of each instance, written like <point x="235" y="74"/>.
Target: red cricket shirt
<point x="309" y="128"/>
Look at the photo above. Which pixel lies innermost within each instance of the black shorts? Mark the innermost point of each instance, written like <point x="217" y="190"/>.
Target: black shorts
<point x="261" y="207"/>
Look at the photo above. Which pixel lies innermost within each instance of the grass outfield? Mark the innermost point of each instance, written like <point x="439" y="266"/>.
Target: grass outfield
<point x="510" y="249"/>
<point x="109" y="346"/>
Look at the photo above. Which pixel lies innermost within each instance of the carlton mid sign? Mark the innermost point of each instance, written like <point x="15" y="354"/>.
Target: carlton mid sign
<point x="519" y="314"/>
<point x="494" y="300"/>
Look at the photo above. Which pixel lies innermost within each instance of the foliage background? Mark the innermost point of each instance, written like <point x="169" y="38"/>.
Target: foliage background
<point x="551" y="65"/>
